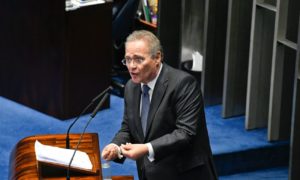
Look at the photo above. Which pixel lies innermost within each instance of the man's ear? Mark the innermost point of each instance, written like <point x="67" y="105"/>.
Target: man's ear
<point x="158" y="56"/>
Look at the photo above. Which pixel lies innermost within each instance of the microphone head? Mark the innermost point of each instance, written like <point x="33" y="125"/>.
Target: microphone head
<point x="107" y="90"/>
<point x="110" y="88"/>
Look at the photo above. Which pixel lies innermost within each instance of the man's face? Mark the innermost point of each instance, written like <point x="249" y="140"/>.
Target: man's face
<point x="142" y="67"/>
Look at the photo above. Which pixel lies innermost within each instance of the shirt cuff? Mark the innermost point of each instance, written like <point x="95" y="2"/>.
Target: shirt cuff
<point x="120" y="155"/>
<point x="151" y="152"/>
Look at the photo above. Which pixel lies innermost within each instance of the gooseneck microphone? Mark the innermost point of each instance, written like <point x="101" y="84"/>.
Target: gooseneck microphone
<point x="100" y="104"/>
<point x="83" y="111"/>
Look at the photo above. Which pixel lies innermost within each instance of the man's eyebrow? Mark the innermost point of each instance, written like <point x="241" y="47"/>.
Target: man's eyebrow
<point x="140" y="56"/>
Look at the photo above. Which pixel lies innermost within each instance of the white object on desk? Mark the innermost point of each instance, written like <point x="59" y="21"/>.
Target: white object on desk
<point x="56" y="155"/>
<point x="197" y="61"/>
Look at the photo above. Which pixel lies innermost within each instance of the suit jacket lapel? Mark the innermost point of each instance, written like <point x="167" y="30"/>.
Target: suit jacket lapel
<point x="157" y="96"/>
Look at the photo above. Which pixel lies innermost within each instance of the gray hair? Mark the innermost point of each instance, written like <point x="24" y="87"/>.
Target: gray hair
<point x="147" y="36"/>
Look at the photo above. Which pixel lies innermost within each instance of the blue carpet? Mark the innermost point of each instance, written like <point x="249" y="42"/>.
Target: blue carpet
<point x="280" y="173"/>
<point x="238" y="150"/>
<point x="229" y="135"/>
<point x="226" y="136"/>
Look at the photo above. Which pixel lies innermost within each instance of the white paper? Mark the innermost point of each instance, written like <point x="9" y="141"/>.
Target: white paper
<point x="75" y="4"/>
<point x="62" y="156"/>
<point x="197" y="61"/>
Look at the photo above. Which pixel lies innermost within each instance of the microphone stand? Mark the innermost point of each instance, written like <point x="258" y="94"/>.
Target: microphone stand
<point x="68" y="132"/>
<point x="84" y="110"/>
<point x="100" y="104"/>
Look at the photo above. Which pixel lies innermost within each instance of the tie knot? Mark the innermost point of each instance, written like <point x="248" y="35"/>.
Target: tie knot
<point x="146" y="89"/>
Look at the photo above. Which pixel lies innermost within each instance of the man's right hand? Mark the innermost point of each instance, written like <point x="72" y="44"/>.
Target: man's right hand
<point x="110" y="152"/>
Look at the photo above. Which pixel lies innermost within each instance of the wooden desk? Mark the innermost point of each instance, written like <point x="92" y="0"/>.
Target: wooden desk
<point x="23" y="164"/>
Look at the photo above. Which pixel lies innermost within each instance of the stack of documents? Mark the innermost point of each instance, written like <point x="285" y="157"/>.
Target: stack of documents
<point x="61" y="156"/>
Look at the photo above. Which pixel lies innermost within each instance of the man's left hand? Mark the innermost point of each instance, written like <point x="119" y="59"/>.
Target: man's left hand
<point x="134" y="151"/>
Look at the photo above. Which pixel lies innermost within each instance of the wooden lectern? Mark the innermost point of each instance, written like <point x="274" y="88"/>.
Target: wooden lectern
<point x="23" y="163"/>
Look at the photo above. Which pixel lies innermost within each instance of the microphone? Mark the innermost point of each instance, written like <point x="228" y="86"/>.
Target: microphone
<point x="83" y="111"/>
<point x="100" y="104"/>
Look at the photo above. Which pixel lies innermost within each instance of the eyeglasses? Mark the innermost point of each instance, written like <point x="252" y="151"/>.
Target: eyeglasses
<point x="136" y="60"/>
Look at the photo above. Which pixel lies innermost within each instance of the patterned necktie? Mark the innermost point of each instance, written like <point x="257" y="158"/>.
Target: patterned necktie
<point x="145" y="107"/>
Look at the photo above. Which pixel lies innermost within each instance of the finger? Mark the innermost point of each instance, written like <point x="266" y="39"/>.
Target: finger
<point x="125" y="153"/>
<point x="104" y="155"/>
<point x="107" y="148"/>
<point x="127" y="148"/>
<point x="108" y="157"/>
<point x="128" y="154"/>
<point x="114" y="153"/>
<point x="104" y="151"/>
<point x="122" y="148"/>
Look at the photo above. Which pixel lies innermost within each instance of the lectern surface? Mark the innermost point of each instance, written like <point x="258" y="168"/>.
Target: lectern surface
<point x="23" y="163"/>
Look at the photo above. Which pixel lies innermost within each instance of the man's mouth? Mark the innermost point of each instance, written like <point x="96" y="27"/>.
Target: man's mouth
<point x="133" y="74"/>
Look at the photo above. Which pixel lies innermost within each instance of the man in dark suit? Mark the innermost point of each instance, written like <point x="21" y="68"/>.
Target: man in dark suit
<point x="164" y="126"/>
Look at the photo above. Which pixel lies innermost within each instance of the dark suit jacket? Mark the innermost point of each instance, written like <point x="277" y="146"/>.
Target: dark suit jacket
<point x="176" y="128"/>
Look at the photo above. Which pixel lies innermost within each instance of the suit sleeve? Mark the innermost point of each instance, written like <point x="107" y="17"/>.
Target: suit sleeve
<point x="187" y="107"/>
<point x="123" y="135"/>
